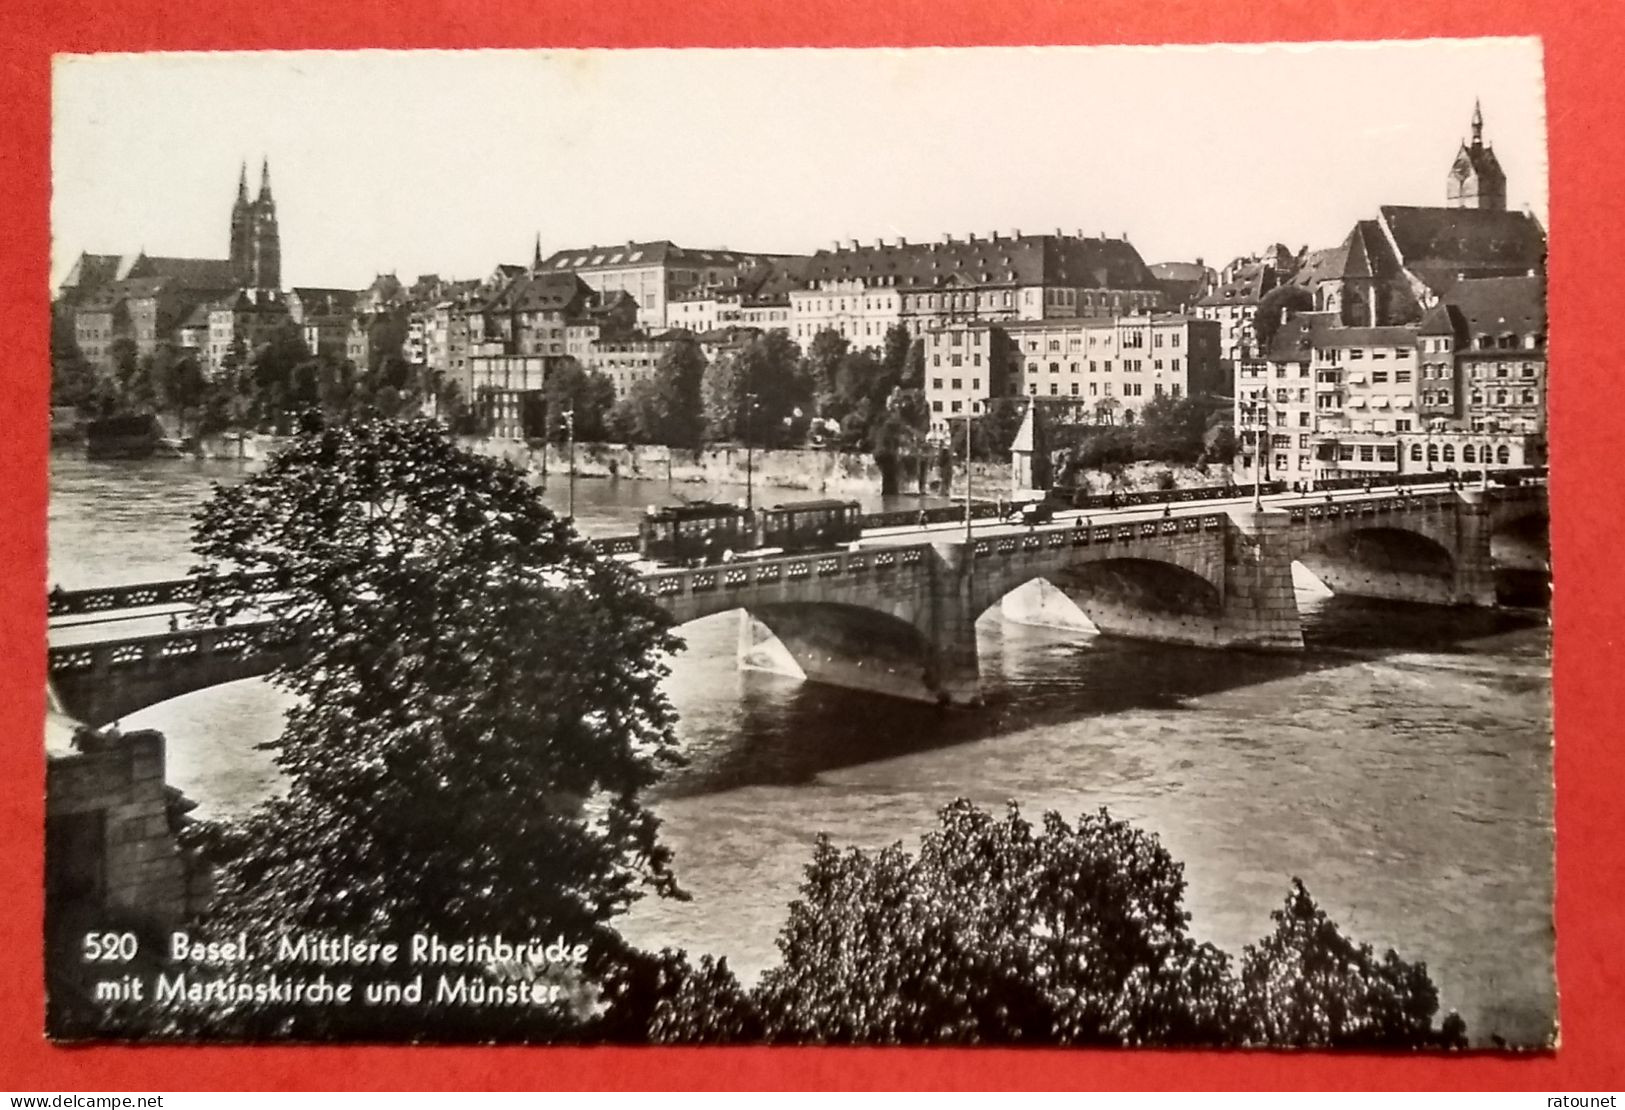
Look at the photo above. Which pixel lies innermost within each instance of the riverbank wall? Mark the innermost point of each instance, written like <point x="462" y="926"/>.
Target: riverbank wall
<point x="828" y="473"/>
<point x="818" y="472"/>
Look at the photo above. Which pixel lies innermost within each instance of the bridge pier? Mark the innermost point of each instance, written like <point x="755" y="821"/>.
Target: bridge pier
<point x="1475" y="564"/>
<point x="1259" y="608"/>
<point x="953" y="668"/>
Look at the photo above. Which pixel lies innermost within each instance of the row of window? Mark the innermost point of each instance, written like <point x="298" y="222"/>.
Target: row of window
<point x="1130" y="389"/>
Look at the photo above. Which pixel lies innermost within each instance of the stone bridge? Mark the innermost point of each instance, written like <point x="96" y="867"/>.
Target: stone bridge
<point x="899" y="617"/>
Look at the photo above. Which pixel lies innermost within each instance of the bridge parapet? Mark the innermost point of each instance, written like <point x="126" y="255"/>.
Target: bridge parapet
<point x="173" y="591"/>
<point x="756" y="573"/>
<point x="240" y="641"/>
<point x="1081" y="534"/>
<point x="1372" y="506"/>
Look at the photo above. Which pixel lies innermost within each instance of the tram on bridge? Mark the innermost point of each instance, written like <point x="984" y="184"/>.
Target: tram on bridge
<point x="709" y="532"/>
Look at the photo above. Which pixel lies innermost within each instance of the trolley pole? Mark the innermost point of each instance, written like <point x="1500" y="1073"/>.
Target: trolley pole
<point x="1259" y="425"/>
<point x="750" y="414"/>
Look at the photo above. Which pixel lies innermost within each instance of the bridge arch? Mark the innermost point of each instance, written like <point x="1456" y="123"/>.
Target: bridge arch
<point x="840" y="644"/>
<point x="104" y="682"/>
<point x="1386" y="560"/>
<point x="1129" y="595"/>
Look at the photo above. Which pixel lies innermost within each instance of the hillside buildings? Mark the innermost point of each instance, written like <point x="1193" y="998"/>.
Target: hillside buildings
<point x="1100" y="370"/>
<point x="1422" y="322"/>
<point x="1425" y="348"/>
<point x="859" y="292"/>
<point x="205" y="303"/>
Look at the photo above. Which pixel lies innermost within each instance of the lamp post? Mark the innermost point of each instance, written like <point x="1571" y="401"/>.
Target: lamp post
<point x="1259" y="412"/>
<point x="570" y="427"/>
<point x="967" y="485"/>
<point x="750" y="413"/>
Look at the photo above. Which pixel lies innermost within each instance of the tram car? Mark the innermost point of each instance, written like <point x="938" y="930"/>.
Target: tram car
<point x="711" y="532"/>
<point x="696" y="531"/>
<point x="809" y="525"/>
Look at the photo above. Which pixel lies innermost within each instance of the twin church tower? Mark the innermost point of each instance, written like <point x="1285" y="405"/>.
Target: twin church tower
<point x="256" y="246"/>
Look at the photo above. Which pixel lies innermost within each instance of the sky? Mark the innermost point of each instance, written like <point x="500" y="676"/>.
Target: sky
<point x="450" y="162"/>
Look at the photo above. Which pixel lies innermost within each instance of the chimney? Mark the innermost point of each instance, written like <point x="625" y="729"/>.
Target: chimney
<point x="852" y="244"/>
<point x="1015" y="233"/>
<point x="945" y="239"/>
<point x="1199" y="262"/>
<point x="902" y="242"/>
<point x="880" y="244"/>
<point x="836" y="244"/>
<point x="970" y="237"/>
<point x="993" y="237"/>
<point x="1059" y="234"/>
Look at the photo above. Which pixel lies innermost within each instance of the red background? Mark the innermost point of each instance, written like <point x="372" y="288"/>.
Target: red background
<point x="1584" y="61"/>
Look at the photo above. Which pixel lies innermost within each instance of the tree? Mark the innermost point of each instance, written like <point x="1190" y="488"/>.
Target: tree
<point x="1308" y="985"/>
<point x="177" y="380"/>
<point x="1219" y="437"/>
<point x="824" y="355"/>
<point x="271" y="368"/>
<point x="997" y="931"/>
<point x="73" y="379"/>
<point x="667" y="404"/>
<point x="130" y="376"/>
<point x="896" y="351"/>
<point x="479" y="712"/>
<point x="766" y="367"/>
<point x="914" y="366"/>
<point x="1171" y="429"/>
<point x="588" y="394"/>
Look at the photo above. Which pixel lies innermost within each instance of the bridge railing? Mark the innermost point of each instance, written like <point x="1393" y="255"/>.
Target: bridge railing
<point x="1082" y="533"/>
<point x="1371" y="506"/>
<point x="103" y="599"/>
<point x="239" y="641"/>
<point x="771" y="572"/>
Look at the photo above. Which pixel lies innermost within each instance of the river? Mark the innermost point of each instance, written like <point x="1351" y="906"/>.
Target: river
<point x="1401" y="766"/>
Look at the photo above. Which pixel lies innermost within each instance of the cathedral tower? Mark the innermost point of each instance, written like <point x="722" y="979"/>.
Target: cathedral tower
<point x="242" y="235"/>
<point x="266" y="241"/>
<point x="1476" y="179"/>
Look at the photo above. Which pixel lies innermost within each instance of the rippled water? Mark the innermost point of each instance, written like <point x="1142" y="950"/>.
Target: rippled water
<point x="1401" y="766"/>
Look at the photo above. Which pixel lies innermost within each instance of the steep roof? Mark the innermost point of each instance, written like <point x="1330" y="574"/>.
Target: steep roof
<point x="90" y="271"/>
<point x="654" y="253"/>
<point x="1368" y="254"/>
<point x="315" y="301"/>
<point x="1443" y="245"/>
<point x="1021" y="260"/>
<point x="1178" y="271"/>
<point x="1326" y="264"/>
<point x="542" y="292"/>
<point x="1299" y="334"/>
<point x="1247" y="289"/>
<point x="1495" y="306"/>
<point x="189" y="273"/>
<point x="1477" y="160"/>
<point x="1403" y="335"/>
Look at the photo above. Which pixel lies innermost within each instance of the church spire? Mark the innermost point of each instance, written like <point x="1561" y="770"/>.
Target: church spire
<point x="242" y="183"/>
<point x="265" y="179"/>
<point x="1478" y="124"/>
<point x="536" y="257"/>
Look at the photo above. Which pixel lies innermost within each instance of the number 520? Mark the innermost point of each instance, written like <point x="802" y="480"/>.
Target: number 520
<point x="109" y="948"/>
